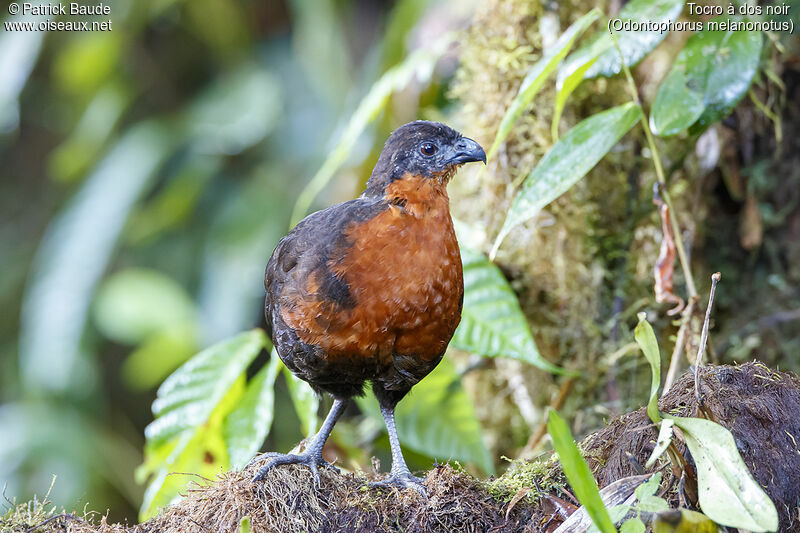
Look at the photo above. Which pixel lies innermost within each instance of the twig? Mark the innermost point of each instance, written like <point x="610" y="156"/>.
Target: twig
<point x="56" y="517"/>
<point x="677" y="352"/>
<point x="704" y="336"/>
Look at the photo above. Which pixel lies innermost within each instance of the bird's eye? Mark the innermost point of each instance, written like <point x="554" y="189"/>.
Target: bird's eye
<point x="428" y="149"/>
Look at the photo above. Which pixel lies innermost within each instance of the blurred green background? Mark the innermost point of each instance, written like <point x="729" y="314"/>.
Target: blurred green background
<point x="147" y="173"/>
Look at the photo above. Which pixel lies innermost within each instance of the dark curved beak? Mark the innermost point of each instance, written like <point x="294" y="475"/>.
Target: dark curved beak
<point x="466" y="151"/>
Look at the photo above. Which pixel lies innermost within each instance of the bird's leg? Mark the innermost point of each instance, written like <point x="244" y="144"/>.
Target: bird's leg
<point x="400" y="475"/>
<point x="312" y="456"/>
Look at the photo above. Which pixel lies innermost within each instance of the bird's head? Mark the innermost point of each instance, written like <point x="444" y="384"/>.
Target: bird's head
<point x="425" y="149"/>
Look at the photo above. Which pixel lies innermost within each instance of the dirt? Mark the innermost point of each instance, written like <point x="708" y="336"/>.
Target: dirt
<point x="757" y="404"/>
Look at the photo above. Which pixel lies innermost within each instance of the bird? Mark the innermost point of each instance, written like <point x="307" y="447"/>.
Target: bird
<point x="371" y="290"/>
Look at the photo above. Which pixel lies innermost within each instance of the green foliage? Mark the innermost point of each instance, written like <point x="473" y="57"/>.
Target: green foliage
<point x="662" y="442"/>
<point x="305" y="400"/>
<point x="538" y="74"/>
<point x="708" y="78"/>
<point x="646" y="340"/>
<point x="635" y="45"/>
<point x="437" y="419"/>
<point x="578" y="473"/>
<point x="248" y="424"/>
<point x="727" y="492"/>
<point x="492" y="323"/>
<point x="683" y="521"/>
<point x="198" y="407"/>
<point x="567" y="162"/>
<point x="74" y="253"/>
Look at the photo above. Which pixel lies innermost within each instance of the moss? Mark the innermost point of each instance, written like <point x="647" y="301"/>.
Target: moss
<point x="544" y="474"/>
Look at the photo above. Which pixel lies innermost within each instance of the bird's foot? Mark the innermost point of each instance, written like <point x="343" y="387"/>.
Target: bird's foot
<point x="313" y="460"/>
<point x="401" y="480"/>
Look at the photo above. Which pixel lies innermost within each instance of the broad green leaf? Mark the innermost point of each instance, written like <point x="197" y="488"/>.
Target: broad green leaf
<point x="663" y="441"/>
<point x="418" y="65"/>
<point x="247" y="426"/>
<point x="437" y="419"/>
<point x="678" y="105"/>
<point x="649" y="487"/>
<point x="567" y="162"/>
<point x="171" y="464"/>
<point x="192" y="431"/>
<point x="578" y="473"/>
<point x="634" y="44"/>
<point x="647" y="501"/>
<point x="187" y="398"/>
<point x="135" y="303"/>
<point x="564" y="88"/>
<point x="244" y="524"/>
<point x="646" y="340"/>
<point x="633" y="525"/>
<point x="538" y="74"/>
<point x="74" y="254"/>
<point x="709" y="76"/>
<point x="683" y="521"/>
<point x="305" y="400"/>
<point x="492" y="323"/>
<point x="727" y="492"/>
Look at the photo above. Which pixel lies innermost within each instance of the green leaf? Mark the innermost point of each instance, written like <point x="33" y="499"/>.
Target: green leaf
<point x="709" y="76"/>
<point x="247" y="426"/>
<point x="678" y="105"/>
<point x="201" y="411"/>
<point x="418" y="65"/>
<point x="683" y="520"/>
<point x="578" y="473"/>
<point x="74" y="254"/>
<point x="305" y="400"/>
<point x="135" y="303"/>
<point x="649" y="487"/>
<point x="173" y="463"/>
<point x="567" y="162"/>
<point x="633" y="525"/>
<point x="662" y="443"/>
<point x="646" y="340"/>
<point x="728" y="494"/>
<point x="244" y="524"/>
<point x="492" y="323"/>
<point x="564" y="88"/>
<point x="437" y="419"/>
<point x="634" y="44"/>
<point x="187" y="398"/>
<point x="538" y="74"/>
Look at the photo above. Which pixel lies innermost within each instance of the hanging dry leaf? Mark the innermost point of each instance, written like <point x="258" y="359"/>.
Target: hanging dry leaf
<point x="665" y="264"/>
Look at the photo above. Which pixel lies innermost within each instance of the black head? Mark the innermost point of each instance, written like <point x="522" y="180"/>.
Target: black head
<point x="422" y="148"/>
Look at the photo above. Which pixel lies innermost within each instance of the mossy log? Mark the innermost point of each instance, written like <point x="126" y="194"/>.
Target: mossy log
<point x="757" y="404"/>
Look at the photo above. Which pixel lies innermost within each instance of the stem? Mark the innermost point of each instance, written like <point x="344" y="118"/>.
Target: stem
<point x="704" y="336"/>
<point x="687" y="271"/>
<point x="675" y="360"/>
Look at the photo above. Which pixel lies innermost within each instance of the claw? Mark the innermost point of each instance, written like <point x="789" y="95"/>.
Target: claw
<point x="311" y="460"/>
<point x="403" y="480"/>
